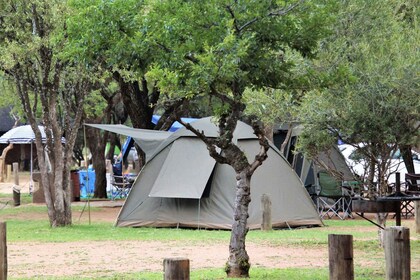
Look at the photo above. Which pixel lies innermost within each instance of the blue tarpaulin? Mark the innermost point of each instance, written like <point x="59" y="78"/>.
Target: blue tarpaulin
<point x="87" y="182"/>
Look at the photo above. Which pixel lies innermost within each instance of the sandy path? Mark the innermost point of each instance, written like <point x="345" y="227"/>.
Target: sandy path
<point x="107" y="257"/>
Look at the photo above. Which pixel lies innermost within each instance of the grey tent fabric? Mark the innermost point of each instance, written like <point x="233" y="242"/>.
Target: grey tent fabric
<point x="173" y="190"/>
<point x="175" y="178"/>
<point x="307" y="169"/>
<point x="147" y="139"/>
<point x="333" y="159"/>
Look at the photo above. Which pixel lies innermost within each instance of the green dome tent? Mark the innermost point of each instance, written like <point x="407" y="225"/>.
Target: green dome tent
<point x="182" y="186"/>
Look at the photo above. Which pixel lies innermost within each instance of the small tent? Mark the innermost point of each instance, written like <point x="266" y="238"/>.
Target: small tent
<point x="182" y="186"/>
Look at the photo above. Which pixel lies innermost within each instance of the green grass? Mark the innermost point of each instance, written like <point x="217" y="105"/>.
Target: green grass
<point x="25" y="198"/>
<point x="255" y="273"/>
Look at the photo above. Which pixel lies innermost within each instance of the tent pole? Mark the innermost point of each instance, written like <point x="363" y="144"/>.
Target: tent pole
<point x="31" y="182"/>
<point x="87" y="171"/>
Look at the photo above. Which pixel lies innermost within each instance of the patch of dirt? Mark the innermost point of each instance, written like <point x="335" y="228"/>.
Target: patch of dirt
<point x="109" y="257"/>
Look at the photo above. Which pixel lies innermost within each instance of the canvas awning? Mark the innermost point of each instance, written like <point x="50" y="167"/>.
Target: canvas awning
<point x="175" y="179"/>
<point x="147" y="139"/>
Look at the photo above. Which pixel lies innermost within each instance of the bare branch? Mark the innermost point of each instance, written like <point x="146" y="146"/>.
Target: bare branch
<point x="264" y="146"/>
<point x="211" y="143"/>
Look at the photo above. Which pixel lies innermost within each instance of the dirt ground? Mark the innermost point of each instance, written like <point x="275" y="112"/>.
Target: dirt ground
<point x="106" y="258"/>
<point x="102" y="258"/>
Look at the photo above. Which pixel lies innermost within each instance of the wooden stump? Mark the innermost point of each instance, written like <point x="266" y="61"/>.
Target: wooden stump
<point x="266" y="212"/>
<point x="16" y="196"/>
<point x="340" y="251"/>
<point x="3" y="252"/>
<point x="16" y="173"/>
<point x="417" y="215"/>
<point x="176" y="269"/>
<point x="397" y="253"/>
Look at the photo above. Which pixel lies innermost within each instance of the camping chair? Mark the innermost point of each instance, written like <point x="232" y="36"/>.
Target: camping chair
<point x="412" y="183"/>
<point x="332" y="198"/>
<point x="120" y="183"/>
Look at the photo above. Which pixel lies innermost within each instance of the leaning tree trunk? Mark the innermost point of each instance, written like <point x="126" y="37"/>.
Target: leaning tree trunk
<point x="238" y="263"/>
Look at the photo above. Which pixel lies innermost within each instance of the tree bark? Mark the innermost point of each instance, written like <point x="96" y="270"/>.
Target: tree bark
<point x="238" y="263"/>
<point x="97" y="143"/>
<point x="3" y="161"/>
<point x="381" y="220"/>
<point x="407" y="156"/>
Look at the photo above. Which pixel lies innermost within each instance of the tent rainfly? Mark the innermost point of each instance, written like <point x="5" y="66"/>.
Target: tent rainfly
<point x="182" y="186"/>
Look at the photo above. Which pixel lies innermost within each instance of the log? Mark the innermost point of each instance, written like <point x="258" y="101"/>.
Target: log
<point x="3" y="252"/>
<point x="176" y="269"/>
<point x="340" y="252"/>
<point x="397" y="253"/>
<point x="266" y="212"/>
<point x="417" y="215"/>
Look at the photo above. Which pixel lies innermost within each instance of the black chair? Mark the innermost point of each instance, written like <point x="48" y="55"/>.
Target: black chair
<point x="412" y="183"/>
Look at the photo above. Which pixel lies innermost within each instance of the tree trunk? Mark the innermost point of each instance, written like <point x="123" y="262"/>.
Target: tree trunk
<point x="381" y="220"/>
<point x="286" y="140"/>
<point x="407" y="156"/>
<point x="96" y="143"/>
<point x="238" y="263"/>
<point x="3" y="161"/>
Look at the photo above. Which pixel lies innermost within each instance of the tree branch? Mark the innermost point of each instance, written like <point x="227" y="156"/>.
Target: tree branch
<point x="211" y="143"/>
<point x="280" y="12"/>
<point x="235" y="22"/>
<point x="264" y="146"/>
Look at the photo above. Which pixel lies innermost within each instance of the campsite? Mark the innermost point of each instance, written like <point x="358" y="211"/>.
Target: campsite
<point x="141" y="139"/>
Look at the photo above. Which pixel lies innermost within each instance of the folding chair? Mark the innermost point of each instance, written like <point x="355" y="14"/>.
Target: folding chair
<point x="412" y="183"/>
<point x="331" y="198"/>
<point x="120" y="184"/>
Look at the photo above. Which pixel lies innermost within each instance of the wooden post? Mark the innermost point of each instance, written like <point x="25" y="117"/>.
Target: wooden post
<point x="3" y="252"/>
<point x="397" y="253"/>
<point x="8" y="172"/>
<point x="176" y="269"/>
<point x="417" y="215"/>
<point x="266" y="212"/>
<point x="16" y="173"/>
<point x="340" y="252"/>
<point x="398" y="193"/>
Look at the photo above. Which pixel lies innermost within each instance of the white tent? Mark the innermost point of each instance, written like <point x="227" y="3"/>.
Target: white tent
<point x="181" y="185"/>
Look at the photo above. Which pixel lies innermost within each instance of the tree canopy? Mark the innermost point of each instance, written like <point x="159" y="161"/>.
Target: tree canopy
<point x="219" y="49"/>
<point x="32" y="36"/>
<point x="370" y="66"/>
